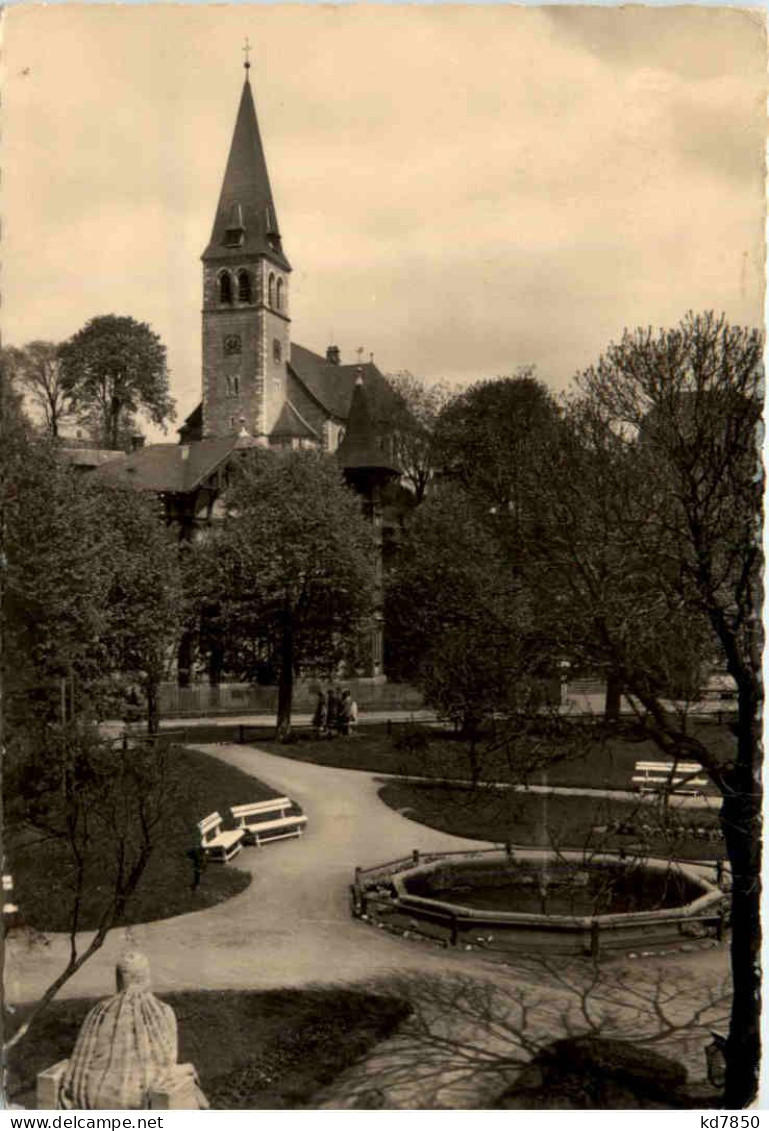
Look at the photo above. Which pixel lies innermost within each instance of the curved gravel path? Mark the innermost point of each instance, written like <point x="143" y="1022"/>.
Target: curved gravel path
<point x="292" y="927"/>
<point x="292" y="924"/>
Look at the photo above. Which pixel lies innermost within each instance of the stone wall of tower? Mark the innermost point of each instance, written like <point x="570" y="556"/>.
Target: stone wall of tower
<point x="242" y="377"/>
<point x="275" y="339"/>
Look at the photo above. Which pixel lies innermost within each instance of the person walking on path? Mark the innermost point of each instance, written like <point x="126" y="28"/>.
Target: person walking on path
<point x="319" y="717"/>
<point x="332" y="711"/>
<point x="345" y="713"/>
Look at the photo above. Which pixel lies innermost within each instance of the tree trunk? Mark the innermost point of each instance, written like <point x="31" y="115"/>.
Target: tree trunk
<point x="153" y="708"/>
<point x="470" y="727"/>
<point x="184" y="661"/>
<point x="741" y="822"/>
<point x="285" y="680"/>
<point x="613" y="698"/>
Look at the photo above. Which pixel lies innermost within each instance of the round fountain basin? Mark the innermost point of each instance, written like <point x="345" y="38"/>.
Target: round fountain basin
<point x="561" y="900"/>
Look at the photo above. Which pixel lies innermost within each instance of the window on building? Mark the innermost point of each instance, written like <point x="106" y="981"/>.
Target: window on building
<point x="225" y="288"/>
<point x="277" y="350"/>
<point x="279" y="295"/>
<point x="244" y="286"/>
<point x="271" y="290"/>
<point x="232" y="345"/>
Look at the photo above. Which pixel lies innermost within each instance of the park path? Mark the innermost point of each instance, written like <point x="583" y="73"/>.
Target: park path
<point x="292" y="927"/>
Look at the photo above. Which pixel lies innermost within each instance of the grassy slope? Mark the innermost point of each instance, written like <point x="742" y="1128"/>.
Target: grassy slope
<point x="255" y="1049"/>
<point x="199" y="785"/>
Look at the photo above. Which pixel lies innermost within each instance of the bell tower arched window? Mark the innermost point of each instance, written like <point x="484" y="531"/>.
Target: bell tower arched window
<point x="244" y="286"/>
<point x="225" y="288"/>
<point x="279" y="295"/>
<point x="271" y="290"/>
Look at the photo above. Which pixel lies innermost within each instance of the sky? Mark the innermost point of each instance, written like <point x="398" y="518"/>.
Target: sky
<point x="461" y="190"/>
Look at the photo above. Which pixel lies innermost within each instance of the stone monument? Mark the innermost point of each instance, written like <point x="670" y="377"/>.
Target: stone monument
<point x="125" y="1056"/>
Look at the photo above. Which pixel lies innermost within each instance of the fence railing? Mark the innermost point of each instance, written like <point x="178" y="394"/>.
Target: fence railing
<point x="367" y="902"/>
<point x="592" y="938"/>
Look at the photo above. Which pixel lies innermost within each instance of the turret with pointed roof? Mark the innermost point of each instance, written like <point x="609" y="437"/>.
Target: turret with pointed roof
<point x="362" y="451"/>
<point x="246" y="324"/>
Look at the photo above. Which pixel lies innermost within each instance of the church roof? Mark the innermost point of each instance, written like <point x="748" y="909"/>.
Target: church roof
<point x="170" y="468"/>
<point x="332" y="385"/>
<point x="192" y="429"/>
<point x="361" y="448"/>
<point x="290" y="422"/>
<point x="245" y="203"/>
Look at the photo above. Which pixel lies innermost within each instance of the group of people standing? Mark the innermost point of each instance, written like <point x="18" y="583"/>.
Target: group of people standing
<point x="336" y="712"/>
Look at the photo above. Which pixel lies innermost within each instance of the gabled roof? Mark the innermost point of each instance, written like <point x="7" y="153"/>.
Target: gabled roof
<point x="332" y="385"/>
<point x="290" y="422"/>
<point x="245" y="202"/>
<point x="171" y="468"/>
<point x="361" y="449"/>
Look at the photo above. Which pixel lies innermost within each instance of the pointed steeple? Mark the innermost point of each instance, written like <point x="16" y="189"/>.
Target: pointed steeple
<point x="360" y="450"/>
<point x="245" y="216"/>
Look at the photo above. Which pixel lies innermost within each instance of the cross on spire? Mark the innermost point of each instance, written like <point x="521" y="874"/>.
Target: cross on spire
<point x="246" y="53"/>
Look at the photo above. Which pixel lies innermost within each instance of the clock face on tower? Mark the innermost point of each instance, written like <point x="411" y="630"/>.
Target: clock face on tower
<point x="232" y="344"/>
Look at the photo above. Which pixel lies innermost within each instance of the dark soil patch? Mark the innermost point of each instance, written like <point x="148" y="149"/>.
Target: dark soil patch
<point x="199" y="784"/>
<point x="251" y="1049"/>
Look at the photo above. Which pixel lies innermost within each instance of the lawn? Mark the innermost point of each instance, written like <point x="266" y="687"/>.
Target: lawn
<point x="198" y="785"/>
<point x="587" y="758"/>
<point x="571" y="822"/>
<point x="252" y="1049"/>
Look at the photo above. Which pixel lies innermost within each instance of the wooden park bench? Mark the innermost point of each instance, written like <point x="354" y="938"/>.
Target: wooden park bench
<point x="268" y="820"/>
<point x="677" y="777"/>
<point x="217" y="843"/>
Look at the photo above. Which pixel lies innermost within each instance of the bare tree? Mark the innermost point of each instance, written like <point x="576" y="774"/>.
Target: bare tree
<point x="411" y="422"/>
<point x="72" y="787"/>
<point x="648" y="559"/>
<point x="36" y="369"/>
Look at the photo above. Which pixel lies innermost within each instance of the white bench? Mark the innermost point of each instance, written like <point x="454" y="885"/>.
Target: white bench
<point x="678" y="777"/>
<point x="217" y="843"/>
<point x="268" y="820"/>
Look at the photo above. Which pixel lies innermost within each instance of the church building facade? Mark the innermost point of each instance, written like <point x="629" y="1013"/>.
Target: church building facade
<point x="259" y="388"/>
<point x="258" y="385"/>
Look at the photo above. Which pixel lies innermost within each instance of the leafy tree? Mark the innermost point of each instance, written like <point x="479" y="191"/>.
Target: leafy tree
<point x="410" y="423"/>
<point x="145" y="604"/>
<point x="459" y="623"/>
<point x="36" y="370"/>
<point x="56" y="579"/>
<point x="115" y="367"/>
<point x="91" y="593"/>
<point x="648" y="557"/>
<point x="494" y="436"/>
<point x="291" y="574"/>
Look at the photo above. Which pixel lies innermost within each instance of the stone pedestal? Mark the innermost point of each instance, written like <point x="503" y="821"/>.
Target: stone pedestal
<point x="178" y="1094"/>
<point x="48" y="1085"/>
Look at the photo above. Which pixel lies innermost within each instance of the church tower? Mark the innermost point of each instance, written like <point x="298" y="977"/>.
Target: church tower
<point x="246" y="324"/>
